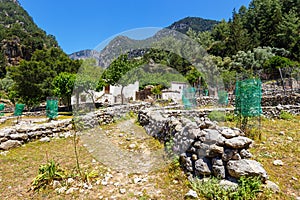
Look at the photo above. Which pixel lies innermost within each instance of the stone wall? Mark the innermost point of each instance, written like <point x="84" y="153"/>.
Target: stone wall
<point x="205" y="148"/>
<point x="19" y="134"/>
<point x="25" y="131"/>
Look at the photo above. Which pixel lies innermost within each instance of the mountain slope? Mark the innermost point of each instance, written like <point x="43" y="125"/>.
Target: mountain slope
<point x="19" y="35"/>
<point x="196" y="23"/>
<point x="123" y="43"/>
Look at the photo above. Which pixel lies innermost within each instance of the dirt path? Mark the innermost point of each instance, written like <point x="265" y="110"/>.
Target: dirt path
<point x="124" y="147"/>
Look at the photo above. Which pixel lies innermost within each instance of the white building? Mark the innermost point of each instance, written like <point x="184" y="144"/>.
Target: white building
<point x="175" y="91"/>
<point x="110" y="94"/>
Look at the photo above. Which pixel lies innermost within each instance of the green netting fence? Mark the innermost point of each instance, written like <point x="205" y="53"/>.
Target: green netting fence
<point x="188" y="97"/>
<point x="2" y="106"/>
<point x="223" y="97"/>
<point x="19" y="109"/>
<point x="52" y="108"/>
<point x="248" y="98"/>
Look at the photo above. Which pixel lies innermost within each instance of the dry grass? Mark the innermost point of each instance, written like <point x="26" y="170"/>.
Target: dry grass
<point x="20" y="166"/>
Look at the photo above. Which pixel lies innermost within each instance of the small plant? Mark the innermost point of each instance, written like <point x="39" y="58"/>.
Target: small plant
<point x="285" y="115"/>
<point x="47" y="173"/>
<point x="217" y="116"/>
<point x="248" y="189"/>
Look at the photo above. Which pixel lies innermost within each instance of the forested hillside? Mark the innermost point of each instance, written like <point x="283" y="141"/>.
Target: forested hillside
<point x="29" y="58"/>
<point x="256" y="42"/>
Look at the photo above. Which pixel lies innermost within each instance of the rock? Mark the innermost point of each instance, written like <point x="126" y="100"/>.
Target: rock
<point x="187" y="162"/>
<point x="228" y="185"/>
<point x="191" y="194"/>
<point x="229" y="133"/>
<point x="245" y="153"/>
<point x="215" y="150"/>
<point x="217" y="161"/>
<point x="277" y="162"/>
<point x="10" y="144"/>
<point x="122" y="190"/>
<point x="45" y="139"/>
<point x="203" y="150"/>
<point x="290" y="139"/>
<point x="272" y="186"/>
<point x="244" y="167"/>
<point x="61" y="190"/>
<point x="70" y="180"/>
<point x="228" y="154"/>
<point x="19" y="136"/>
<point x="281" y="133"/>
<point x="132" y="146"/>
<point x="56" y="184"/>
<point x="238" y="142"/>
<point x="4" y="139"/>
<point x="194" y="157"/>
<point x="6" y="132"/>
<point x="212" y="136"/>
<point x="87" y="186"/>
<point x="71" y="190"/>
<point x="202" y="167"/>
<point x="218" y="171"/>
<point x="136" y="180"/>
<point x="104" y="182"/>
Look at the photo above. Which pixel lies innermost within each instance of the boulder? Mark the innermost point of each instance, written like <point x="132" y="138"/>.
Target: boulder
<point x="10" y="144"/>
<point x="230" y="133"/>
<point x="244" y="167"/>
<point x="19" y="136"/>
<point x="203" y="167"/>
<point x="239" y="142"/>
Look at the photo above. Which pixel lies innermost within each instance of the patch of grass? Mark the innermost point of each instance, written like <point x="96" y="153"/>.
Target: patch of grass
<point x="217" y="116"/>
<point x="286" y="115"/>
<point x="248" y="188"/>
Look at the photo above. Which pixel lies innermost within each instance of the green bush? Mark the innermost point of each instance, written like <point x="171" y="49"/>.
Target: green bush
<point x="285" y="115"/>
<point x="248" y="189"/>
<point x="217" y="116"/>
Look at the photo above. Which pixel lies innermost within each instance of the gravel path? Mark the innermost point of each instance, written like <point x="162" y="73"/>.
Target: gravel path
<point x="123" y="147"/>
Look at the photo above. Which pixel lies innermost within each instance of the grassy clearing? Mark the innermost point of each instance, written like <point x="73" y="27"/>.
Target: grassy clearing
<point x="280" y="140"/>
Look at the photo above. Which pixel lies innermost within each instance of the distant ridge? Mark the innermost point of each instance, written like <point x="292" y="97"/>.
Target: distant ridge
<point x="182" y="26"/>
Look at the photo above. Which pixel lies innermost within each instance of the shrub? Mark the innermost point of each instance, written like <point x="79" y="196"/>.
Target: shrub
<point x="217" y="116"/>
<point x="248" y="188"/>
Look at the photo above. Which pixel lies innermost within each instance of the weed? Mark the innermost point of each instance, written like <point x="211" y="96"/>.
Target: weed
<point x="47" y="173"/>
<point x="286" y="115"/>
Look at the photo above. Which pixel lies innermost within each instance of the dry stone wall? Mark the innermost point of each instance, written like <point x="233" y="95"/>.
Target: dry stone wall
<point x="204" y="148"/>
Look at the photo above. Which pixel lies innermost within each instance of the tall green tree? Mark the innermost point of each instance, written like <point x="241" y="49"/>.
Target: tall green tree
<point x="117" y="72"/>
<point x="63" y="85"/>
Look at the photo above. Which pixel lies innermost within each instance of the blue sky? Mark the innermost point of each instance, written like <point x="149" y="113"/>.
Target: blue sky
<point x="79" y="25"/>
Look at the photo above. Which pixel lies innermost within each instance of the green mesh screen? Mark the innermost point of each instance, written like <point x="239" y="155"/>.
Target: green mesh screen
<point x="2" y="106"/>
<point x="223" y="97"/>
<point x="188" y="97"/>
<point x="52" y="108"/>
<point x="19" y="109"/>
<point x="248" y="98"/>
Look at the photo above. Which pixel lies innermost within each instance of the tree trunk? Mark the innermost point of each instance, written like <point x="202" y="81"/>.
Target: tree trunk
<point x="122" y="98"/>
